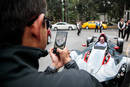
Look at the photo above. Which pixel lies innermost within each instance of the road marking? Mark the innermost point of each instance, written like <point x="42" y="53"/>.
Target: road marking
<point x="127" y="50"/>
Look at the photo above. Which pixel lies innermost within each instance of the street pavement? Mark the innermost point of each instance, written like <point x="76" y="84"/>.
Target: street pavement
<point x="75" y="42"/>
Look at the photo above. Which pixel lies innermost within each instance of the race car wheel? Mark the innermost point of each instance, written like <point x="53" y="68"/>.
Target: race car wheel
<point x="126" y="81"/>
<point x="55" y="28"/>
<point x="70" y="28"/>
<point x="120" y="44"/>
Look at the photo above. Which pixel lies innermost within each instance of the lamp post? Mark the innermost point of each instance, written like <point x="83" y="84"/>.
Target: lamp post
<point x="62" y="10"/>
<point x="104" y="4"/>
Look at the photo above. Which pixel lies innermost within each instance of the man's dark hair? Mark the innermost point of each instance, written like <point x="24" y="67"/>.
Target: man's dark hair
<point x="15" y="15"/>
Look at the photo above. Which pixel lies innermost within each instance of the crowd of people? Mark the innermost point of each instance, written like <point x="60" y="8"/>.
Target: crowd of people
<point x="123" y="27"/>
<point x="98" y="26"/>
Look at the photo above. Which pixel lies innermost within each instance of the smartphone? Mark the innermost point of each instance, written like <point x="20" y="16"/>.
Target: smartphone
<point x="60" y="40"/>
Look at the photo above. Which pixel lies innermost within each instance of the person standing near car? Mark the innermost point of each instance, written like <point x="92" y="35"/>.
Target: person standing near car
<point x="79" y="27"/>
<point x="127" y="31"/>
<point x="121" y="27"/>
<point x="100" y="25"/>
<point x="23" y="40"/>
<point x="97" y="25"/>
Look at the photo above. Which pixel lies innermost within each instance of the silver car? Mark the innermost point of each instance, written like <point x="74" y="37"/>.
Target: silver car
<point x="63" y="26"/>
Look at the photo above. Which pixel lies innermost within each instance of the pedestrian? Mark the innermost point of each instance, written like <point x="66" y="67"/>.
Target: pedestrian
<point x="97" y="24"/>
<point x="79" y="27"/>
<point x="23" y="39"/>
<point x="127" y="31"/>
<point x="121" y="27"/>
<point x="100" y="25"/>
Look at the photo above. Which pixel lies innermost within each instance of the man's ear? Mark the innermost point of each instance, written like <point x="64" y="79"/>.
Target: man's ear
<point x="36" y="26"/>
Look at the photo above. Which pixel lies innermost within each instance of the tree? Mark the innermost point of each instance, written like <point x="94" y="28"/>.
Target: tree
<point x="54" y="9"/>
<point x="85" y="10"/>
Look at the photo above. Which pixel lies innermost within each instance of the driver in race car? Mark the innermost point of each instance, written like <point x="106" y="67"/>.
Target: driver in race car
<point x="102" y="41"/>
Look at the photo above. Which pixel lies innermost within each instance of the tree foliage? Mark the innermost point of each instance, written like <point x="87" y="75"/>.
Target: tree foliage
<point x="85" y="10"/>
<point x="54" y="9"/>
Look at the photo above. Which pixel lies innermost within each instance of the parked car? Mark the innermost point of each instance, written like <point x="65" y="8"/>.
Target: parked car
<point x="49" y="36"/>
<point x="63" y="25"/>
<point x="92" y="25"/>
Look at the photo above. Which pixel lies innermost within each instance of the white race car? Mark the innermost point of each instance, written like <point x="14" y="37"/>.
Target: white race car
<point x="105" y="63"/>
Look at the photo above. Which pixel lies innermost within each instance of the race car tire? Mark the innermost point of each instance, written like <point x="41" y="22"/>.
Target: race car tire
<point x="70" y="28"/>
<point x="120" y="44"/>
<point x="126" y="81"/>
<point x="55" y="28"/>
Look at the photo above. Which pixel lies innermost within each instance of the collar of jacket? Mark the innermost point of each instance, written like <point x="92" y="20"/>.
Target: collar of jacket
<point x="22" y="54"/>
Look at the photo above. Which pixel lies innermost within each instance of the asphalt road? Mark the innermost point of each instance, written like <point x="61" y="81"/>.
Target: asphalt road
<point x="75" y="42"/>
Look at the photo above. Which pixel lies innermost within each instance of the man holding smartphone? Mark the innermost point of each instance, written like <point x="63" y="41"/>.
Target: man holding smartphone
<point x="23" y="39"/>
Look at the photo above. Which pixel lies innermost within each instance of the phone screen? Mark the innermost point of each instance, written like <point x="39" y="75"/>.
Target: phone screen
<point x="60" y="40"/>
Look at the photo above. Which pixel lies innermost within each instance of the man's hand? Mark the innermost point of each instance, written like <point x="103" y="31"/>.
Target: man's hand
<point x="60" y="60"/>
<point x="56" y="61"/>
<point x="64" y="55"/>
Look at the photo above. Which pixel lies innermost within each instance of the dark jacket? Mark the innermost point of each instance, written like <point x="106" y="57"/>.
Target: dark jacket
<point x="19" y="68"/>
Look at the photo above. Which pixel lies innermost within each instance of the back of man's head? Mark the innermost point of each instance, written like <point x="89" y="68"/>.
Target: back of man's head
<point x="15" y="15"/>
